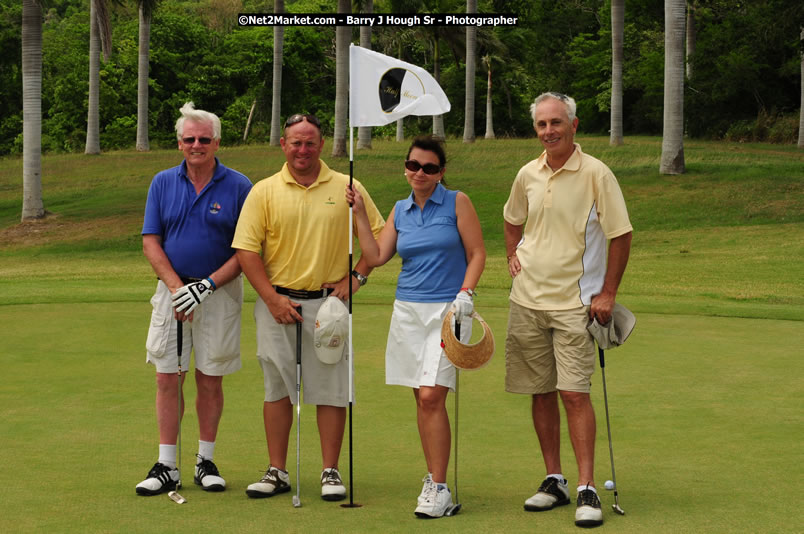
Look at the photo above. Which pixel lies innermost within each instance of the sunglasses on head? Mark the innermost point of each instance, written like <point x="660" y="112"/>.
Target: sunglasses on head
<point x="298" y="117"/>
<point x="191" y="140"/>
<point x="429" y="168"/>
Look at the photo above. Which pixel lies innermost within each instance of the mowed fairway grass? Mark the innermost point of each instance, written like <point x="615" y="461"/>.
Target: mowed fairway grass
<point x="706" y="398"/>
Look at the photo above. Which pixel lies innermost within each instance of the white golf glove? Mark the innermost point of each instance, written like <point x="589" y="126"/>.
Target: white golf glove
<point x="188" y="297"/>
<point x="462" y="306"/>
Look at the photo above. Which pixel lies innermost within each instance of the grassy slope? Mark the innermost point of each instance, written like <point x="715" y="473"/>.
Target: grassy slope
<point x="702" y="406"/>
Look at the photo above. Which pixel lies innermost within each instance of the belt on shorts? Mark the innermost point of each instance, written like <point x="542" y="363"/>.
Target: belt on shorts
<point x="303" y="294"/>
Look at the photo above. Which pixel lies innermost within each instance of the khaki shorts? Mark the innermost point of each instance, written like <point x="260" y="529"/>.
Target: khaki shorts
<point x="324" y="384"/>
<point x="213" y="334"/>
<point x="548" y="350"/>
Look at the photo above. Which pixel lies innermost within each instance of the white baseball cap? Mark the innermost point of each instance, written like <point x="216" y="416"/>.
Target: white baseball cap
<point x="331" y="330"/>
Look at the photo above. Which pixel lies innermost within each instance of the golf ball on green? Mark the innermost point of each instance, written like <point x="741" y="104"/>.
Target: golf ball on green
<point x="609" y="485"/>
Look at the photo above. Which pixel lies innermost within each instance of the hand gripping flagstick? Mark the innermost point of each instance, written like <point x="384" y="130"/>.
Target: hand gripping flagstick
<point x="174" y="495"/>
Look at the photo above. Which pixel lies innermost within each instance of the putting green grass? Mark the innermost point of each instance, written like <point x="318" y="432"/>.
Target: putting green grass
<point x="701" y="414"/>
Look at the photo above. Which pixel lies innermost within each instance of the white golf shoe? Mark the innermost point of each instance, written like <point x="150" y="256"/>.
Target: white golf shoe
<point x="207" y="476"/>
<point x="552" y="493"/>
<point x="161" y="478"/>
<point x="436" y="503"/>
<point x="332" y="488"/>
<point x="273" y="482"/>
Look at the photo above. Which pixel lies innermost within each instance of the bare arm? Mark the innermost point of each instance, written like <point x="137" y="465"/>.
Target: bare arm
<point x="602" y="304"/>
<point x="375" y="252"/>
<point x="513" y="235"/>
<point x="472" y="237"/>
<point x="281" y="307"/>
<point x="152" y="248"/>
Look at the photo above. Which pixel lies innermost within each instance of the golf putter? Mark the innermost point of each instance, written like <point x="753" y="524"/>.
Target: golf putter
<point x="174" y="495"/>
<point x="456" y="507"/>
<point x="296" y="498"/>
<point x="616" y="505"/>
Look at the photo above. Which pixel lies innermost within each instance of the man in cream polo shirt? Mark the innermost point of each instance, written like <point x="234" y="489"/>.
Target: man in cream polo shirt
<point x="563" y="208"/>
<point x="292" y="241"/>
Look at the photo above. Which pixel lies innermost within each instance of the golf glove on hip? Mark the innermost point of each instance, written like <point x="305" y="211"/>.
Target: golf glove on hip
<point x="462" y="306"/>
<point x="189" y="296"/>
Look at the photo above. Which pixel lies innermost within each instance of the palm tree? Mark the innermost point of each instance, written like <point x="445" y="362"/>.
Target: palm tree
<point x="617" y="25"/>
<point x="99" y="38"/>
<point x="471" y="59"/>
<point x="276" y="90"/>
<point x="673" y="132"/>
<point x="32" y="206"/>
<point x="364" y="132"/>
<point x="489" y="109"/>
<point x="342" y="39"/>
<point x="438" y="120"/>
<point x="146" y="8"/>
<point x="691" y="36"/>
<point x="801" y="84"/>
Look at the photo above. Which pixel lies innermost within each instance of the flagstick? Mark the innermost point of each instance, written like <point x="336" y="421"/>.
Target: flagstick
<point x="351" y="347"/>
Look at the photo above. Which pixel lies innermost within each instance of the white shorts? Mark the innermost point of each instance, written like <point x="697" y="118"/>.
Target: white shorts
<point x="414" y="356"/>
<point x="324" y="384"/>
<point x="214" y="332"/>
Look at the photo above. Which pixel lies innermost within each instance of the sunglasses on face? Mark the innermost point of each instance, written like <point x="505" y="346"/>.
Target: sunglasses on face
<point x="429" y="168"/>
<point x="298" y="117"/>
<point x="191" y="140"/>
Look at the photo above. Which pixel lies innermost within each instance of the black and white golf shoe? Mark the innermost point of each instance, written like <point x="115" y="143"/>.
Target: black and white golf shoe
<point x="161" y="478"/>
<point x="207" y="476"/>
<point x="552" y="493"/>
<point x="588" y="513"/>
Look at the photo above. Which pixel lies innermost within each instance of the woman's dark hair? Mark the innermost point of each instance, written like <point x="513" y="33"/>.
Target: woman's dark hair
<point x="431" y="144"/>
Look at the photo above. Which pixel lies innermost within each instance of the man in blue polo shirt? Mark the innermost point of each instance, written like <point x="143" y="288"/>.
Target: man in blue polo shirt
<point x="190" y="218"/>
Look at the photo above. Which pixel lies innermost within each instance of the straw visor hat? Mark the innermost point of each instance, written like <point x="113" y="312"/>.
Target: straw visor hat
<point x="471" y="356"/>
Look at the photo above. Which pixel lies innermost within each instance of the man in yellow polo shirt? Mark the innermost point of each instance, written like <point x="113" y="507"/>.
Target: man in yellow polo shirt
<point x="568" y="204"/>
<point x="292" y="241"/>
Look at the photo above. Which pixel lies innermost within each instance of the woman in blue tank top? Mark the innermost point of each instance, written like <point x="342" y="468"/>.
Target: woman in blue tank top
<point x="436" y="232"/>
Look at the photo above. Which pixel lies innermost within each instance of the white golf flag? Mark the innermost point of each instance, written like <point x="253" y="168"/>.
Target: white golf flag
<point x="383" y="89"/>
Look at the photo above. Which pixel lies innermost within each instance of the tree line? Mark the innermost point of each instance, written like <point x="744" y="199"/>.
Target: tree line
<point x="741" y="79"/>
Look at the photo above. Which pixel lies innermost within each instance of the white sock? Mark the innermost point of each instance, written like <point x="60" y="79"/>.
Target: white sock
<point x="167" y="455"/>
<point x="206" y="450"/>
<point x="441" y="486"/>
<point x="592" y="488"/>
<point x="557" y="476"/>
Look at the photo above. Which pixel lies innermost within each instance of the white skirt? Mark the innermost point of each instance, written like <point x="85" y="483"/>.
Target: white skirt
<point x="414" y="356"/>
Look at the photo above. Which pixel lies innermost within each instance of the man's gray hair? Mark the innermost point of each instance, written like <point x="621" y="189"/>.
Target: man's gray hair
<point x="188" y="112"/>
<point x="568" y="101"/>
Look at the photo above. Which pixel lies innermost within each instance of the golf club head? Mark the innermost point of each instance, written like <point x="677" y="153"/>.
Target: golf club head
<point x="453" y="510"/>
<point x="616" y="508"/>
<point x="296" y="501"/>
<point x="175" y="497"/>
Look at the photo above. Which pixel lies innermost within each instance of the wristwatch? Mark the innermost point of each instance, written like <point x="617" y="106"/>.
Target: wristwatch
<point x="360" y="278"/>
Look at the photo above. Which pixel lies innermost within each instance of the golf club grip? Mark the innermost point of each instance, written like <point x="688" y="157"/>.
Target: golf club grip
<point x="601" y="357"/>
<point x="298" y="336"/>
<point x="458" y="330"/>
